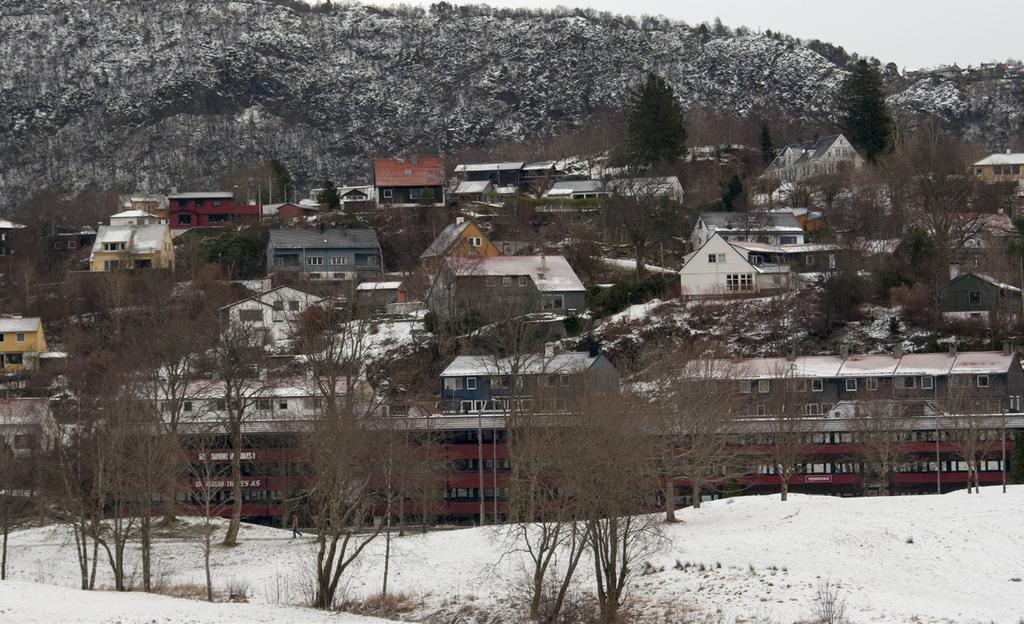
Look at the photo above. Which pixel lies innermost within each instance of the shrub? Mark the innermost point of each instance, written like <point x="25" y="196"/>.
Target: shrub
<point x="604" y="302"/>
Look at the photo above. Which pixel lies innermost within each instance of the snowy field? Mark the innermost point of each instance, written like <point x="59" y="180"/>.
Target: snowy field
<point x="923" y="559"/>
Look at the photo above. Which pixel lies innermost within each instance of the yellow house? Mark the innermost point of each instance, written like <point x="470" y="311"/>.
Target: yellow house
<point x="21" y="342"/>
<point x="462" y="238"/>
<point x="1000" y="168"/>
<point x="132" y="247"/>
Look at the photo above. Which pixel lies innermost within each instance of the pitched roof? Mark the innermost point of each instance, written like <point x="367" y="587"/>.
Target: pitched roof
<point x="835" y="366"/>
<point x="498" y="166"/>
<point x="357" y="238"/>
<point x="261" y="297"/>
<point x="24" y="412"/>
<point x="1001" y="159"/>
<point x="379" y="286"/>
<point x="473" y="187"/>
<point x="141" y="239"/>
<point x="549" y="273"/>
<point x="988" y="279"/>
<point x="10" y="225"/>
<point x="571" y="187"/>
<point x="421" y="171"/>
<point x="20" y="324"/>
<point x="445" y="240"/>
<point x="127" y="214"/>
<point x="571" y="362"/>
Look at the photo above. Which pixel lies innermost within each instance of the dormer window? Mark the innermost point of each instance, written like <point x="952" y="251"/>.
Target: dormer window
<point x="408" y="172"/>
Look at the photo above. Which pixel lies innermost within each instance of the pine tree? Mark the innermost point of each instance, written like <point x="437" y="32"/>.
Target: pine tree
<point x="1017" y="460"/>
<point x="329" y="195"/>
<point x="767" y="145"/>
<point x="733" y="191"/>
<point x="657" y="130"/>
<point x="283" y="185"/>
<point x="863" y="113"/>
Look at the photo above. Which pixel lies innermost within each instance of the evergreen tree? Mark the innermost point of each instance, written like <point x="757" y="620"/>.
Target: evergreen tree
<point x="283" y="184"/>
<point x="1017" y="460"/>
<point x="657" y="130"/>
<point x="329" y="195"/>
<point x="733" y="191"/>
<point x="863" y="113"/>
<point x="767" y="145"/>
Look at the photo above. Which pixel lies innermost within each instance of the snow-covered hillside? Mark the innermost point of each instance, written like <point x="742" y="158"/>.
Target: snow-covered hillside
<point x="925" y="559"/>
<point x="146" y="95"/>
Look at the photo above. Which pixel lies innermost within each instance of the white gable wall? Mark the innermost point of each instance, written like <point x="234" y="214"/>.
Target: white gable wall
<point x="700" y="276"/>
<point x="273" y="313"/>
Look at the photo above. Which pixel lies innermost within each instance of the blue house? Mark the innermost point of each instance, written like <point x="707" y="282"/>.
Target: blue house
<point x="473" y="384"/>
<point x="322" y="254"/>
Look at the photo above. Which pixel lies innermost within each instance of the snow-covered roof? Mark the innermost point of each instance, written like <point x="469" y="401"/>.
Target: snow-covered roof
<point x="140" y="239"/>
<point x="24" y="412"/>
<point x="268" y="297"/>
<point x="20" y="324"/>
<point x="549" y="273"/>
<point x="444" y="241"/>
<point x="664" y="185"/>
<point x="567" y="363"/>
<point x="751" y="221"/>
<point x="10" y="225"/>
<point x="990" y="280"/>
<point x="567" y="188"/>
<point x="1001" y="159"/>
<point x="203" y="195"/>
<point x="472" y="188"/>
<point x="540" y="166"/>
<point x="379" y="286"/>
<point x="972" y="362"/>
<point x="809" y="248"/>
<point x="359" y="238"/>
<point x="498" y="166"/>
<point x="757" y="247"/>
<point x="925" y="364"/>
<point x="128" y="214"/>
<point x="835" y="366"/>
<point x="869" y="366"/>
<point x="507" y="190"/>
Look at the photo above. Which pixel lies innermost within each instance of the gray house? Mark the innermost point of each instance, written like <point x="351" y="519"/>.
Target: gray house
<point x="492" y="287"/>
<point x="976" y="295"/>
<point x="321" y="254"/>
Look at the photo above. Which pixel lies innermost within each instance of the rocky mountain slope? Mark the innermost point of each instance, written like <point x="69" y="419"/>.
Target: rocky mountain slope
<point x="144" y="95"/>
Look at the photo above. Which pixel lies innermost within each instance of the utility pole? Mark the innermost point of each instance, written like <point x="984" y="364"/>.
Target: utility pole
<point x="480" y="462"/>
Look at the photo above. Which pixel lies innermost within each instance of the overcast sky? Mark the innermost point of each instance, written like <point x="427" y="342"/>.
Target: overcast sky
<point x="912" y="33"/>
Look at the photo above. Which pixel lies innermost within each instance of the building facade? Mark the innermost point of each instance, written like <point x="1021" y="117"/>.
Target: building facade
<point x="324" y="254"/>
<point x="208" y="209"/>
<point x="22" y="340"/>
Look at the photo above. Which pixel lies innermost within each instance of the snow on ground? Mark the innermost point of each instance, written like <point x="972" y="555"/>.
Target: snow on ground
<point x="928" y="559"/>
<point x="35" y="603"/>
<point x="635" y="312"/>
<point x="630" y="264"/>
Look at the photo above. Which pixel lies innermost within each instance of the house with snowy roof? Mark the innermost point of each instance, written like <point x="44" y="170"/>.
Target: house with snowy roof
<point x="22" y="341"/>
<point x="323" y="254"/>
<point x="975" y="295"/>
<point x="26" y="425"/>
<point x="273" y="314"/>
<point x="462" y="238"/>
<point x="827" y="155"/>
<point x="719" y="268"/>
<point x="496" y="286"/>
<point x="473" y="384"/>
<point x="774" y="228"/>
<point x="134" y="217"/>
<point x="1007" y="167"/>
<point x="414" y="181"/>
<point x="497" y="173"/>
<point x="119" y="247"/>
<point x="8" y="230"/>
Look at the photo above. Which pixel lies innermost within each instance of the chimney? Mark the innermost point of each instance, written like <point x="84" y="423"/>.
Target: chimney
<point x="549" y="349"/>
<point x="459" y="220"/>
<point x="1007" y="348"/>
<point x="952" y="348"/>
<point x="791" y="353"/>
<point x="1008" y="151"/>
<point x="954" y="270"/>
<point x="323" y="228"/>
<point x="543" y="263"/>
<point x="844" y="350"/>
<point x="897" y="351"/>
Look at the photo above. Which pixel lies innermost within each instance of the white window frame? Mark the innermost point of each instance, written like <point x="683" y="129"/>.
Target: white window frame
<point x="339" y="260"/>
<point x="851" y="385"/>
<point x="872" y="383"/>
<point x="764" y="386"/>
<point x="712" y="258"/>
<point x="523" y="281"/>
<point x="489" y="281"/>
<point x="453" y="383"/>
<point x="387" y="193"/>
<point x="744" y="387"/>
<point x="470" y="383"/>
<point x="506" y="281"/>
<point x="979" y="380"/>
<point x="314" y="260"/>
<point x="817" y="385"/>
<point x="475" y="241"/>
<point x="19" y="337"/>
<point x="927" y="382"/>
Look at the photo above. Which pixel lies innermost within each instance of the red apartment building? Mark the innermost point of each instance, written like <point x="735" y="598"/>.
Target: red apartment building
<point x="208" y="209"/>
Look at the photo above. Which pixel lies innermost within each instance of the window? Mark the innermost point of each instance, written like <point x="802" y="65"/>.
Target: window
<point x="817" y="385"/>
<point x="278" y="306"/>
<point x="812" y="409"/>
<point x="927" y="383"/>
<point x="314" y="260"/>
<point x="787" y="240"/>
<point x="414" y="194"/>
<point x="186" y="406"/>
<point x="553" y="302"/>
<point x="282" y="404"/>
<point x="219" y="218"/>
<point x="983" y="381"/>
<point x="506" y="281"/>
<point x="744" y="387"/>
<point x="183" y="203"/>
<point x="387" y="193"/>
<point x="522" y="280"/>
<point x="974" y="298"/>
<point x="250" y="316"/>
<point x="872" y="383"/>
<point x="909" y="383"/>
<point x="721" y="258"/>
<point x="712" y="258"/>
<point x="217" y="203"/>
<point x="14" y="358"/>
<point x="470" y="383"/>
<point x="490" y="281"/>
<point x="408" y="172"/>
<point x="739" y="282"/>
<point x="851" y="385"/>
<point x="199" y="203"/>
<point x="338" y="260"/>
<point x="756" y="260"/>
<point x="499" y="382"/>
<point x="764" y="386"/>
<point x="263" y="404"/>
<point x="453" y="383"/>
<point x="19" y="337"/>
<point x="832" y="261"/>
<point x="474" y="241"/>
<point x="762" y="410"/>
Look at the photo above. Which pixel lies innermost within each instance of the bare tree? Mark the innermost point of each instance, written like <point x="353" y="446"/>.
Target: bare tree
<point x="19" y="484"/>
<point x="787" y="427"/>
<point x="642" y="213"/>
<point x="204" y="496"/>
<point x="880" y="429"/>
<point x="969" y="427"/>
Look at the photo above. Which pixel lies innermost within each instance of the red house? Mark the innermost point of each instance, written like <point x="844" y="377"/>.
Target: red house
<point x="409" y="182"/>
<point x="208" y="209"/>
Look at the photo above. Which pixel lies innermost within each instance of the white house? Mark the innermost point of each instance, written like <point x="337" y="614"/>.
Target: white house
<point x="774" y="228"/>
<point x="272" y="314"/>
<point x="133" y="217"/>
<point x="825" y="156"/>
<point x="719" y="268"/>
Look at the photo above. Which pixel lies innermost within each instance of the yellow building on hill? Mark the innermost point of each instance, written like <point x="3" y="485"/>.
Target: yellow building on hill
<point x="145" y="246"/>
<point x="462" y="238"/>
<point x="21" y="341"/>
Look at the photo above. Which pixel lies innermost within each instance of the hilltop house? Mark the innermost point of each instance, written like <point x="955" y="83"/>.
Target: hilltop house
<point x="22" y="340"/>
<point x="825" y="156"/>
<point x="7" y="230"/>
<point x="721" y="269"/>
<point x="26" y="425"/>
<point x="271" y="314"/>
<point x="134" y="217"/>
<point x="132" y="247"/>
<point x="1000" y="168"/>
<point x="499" y="174"/>
<point x="774" y="228"/>
<point x="473" y="384"/>
<point x="156" y="205"/>
<point x="323" y="254"/>
<point x="208" y="209"/>
<point x="289" y="210"/>
<point x="490" y="287"/>
<point x="973" y="295"/>
<point x="462" y="238"/>
<point x="379" y="295"/>
<point x="409" y="182"/>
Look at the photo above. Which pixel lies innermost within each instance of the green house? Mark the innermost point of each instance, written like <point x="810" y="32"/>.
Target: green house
<point x="974" y="295"/>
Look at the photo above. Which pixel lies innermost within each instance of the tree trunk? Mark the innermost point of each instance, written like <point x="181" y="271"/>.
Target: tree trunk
<point x="3" y="555"/>
<point x="670" y="500"/>
<point x="696" y="495"/>
<point x="785" y="489"/>
<point x="146" y="535"/>
<point x="169" y="492"/>
<point x="231" y="537"/>
<point x="387" y="564"/>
